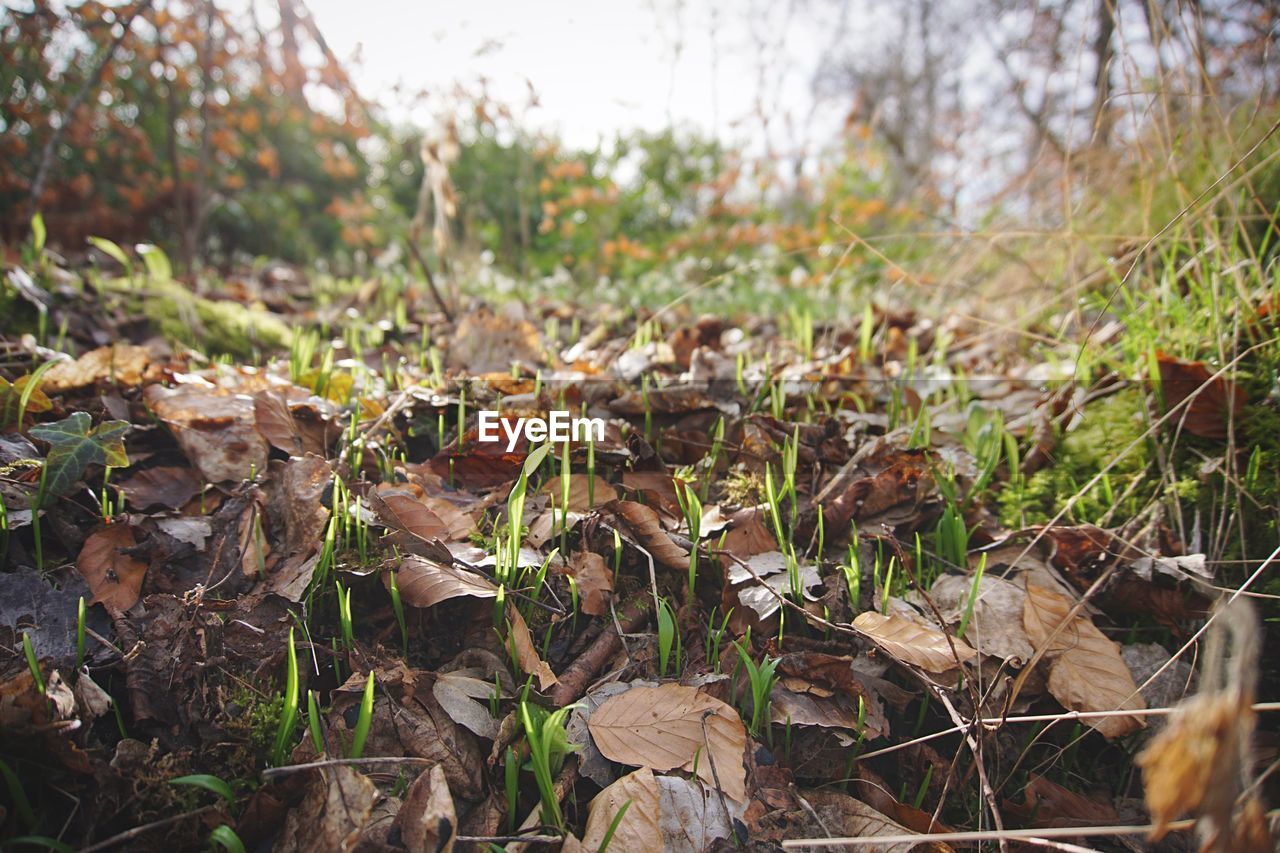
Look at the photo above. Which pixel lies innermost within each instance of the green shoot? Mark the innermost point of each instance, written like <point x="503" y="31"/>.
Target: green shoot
<point x="613" y="827"/>
<point x="398" y="606"/>
<point x="313" y="722"/>
<point x="511" y="782"/>
<point x="692" y="509"/>
<point x="344" y="616"/>
<point x="365" y="720"/>
<point x="715" y="637"/>
<point x="81" y="617"/>
<point x="289" y="714"/>
<point x="226" y="838"/>
<point x="762" y="679"/>
<point x="209" y="783"/>
<point x="548" y="747"/>
<point x="667" y="636"/>
<point x="973" y="597"/>
<point x="32" y="663"/>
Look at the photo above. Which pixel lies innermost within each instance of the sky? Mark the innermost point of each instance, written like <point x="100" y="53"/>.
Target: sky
<point x="598" y="66"/>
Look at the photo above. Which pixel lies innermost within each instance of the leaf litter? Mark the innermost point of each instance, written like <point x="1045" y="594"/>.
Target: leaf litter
<point x="201" y="511"/>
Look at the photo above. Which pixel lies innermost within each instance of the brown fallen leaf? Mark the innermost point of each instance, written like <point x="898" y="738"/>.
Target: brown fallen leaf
<point x="644" y="525"/>
<point x="114" y="578"/>
<point x="406" y="509"/>
<point x="215" y="430"/>
<point x="120" y="364"/>
<point x="594" y="580"/>
<point x="913" y="643"/>
<point x="427" y="820"/>
<point x="995" y="627"/>
<point x="526" y="652"/>
<point x="1048" y="804"/>
<point x="663" y="728"/>
<point x="333" y="814"/>
<point x="1086" y="672"/>
<point x="276" y="423"/>
<point x="1213" y="408"/>
<point x="584" y="492"/>
<point x="639" y="828"/>
<point x="168" y="486"/>
<point x="486" y="342"/>
<point x="842" y="815"/>
<point x="425" y="583"/>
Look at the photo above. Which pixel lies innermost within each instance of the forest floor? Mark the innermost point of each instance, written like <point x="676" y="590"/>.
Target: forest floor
<point x="264" y="587"/>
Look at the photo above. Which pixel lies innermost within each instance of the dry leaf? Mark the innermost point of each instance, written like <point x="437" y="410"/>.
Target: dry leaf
<point x="526" y="652"/>
<point x="1048" y="804"/>
<point x="639" y="828"/>
<point x="583" y="495"/>
<point x="1086" y="671"/>
<point x="844" y="816"/>
<point x="169" y="487"/>
<point x="692" y="815"/>
<point x="114" y="578"/>
<point x="427" y="820"/>
<point x="913" y="643"/>
<point x="763" y="596"/>
<point x="119" y="363"/>
<point x="424" y="583"/>
<point x="215" y="430"/>
<point x="1212" y="409"/>
<point x="466" y="700"/>
<point x="663" y="728"/>
<point x="335" y="810"/>
<point x="489" y="343"/>
<point x="644" y="525"/>
<point x="594" y="580"/>
<point x="995" y="627"/>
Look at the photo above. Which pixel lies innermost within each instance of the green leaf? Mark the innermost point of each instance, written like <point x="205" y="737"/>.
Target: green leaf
<point x="226" y="838"/>
<point x="74" y="446"/>
<point x="37" y="233"/>
<point x="111" y="250"/>
<point x="209" y="783"/>
<point x="158" y="266"/>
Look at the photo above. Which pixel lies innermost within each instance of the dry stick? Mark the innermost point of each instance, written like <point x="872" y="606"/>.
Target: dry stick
<point x="46" y="153"/>
<point x="130" y="834"/>
<point x="431" y="280"/>
<point x="1032" y="835"/>
<point x="573" y="681"/>
<point x="272" y="772"/>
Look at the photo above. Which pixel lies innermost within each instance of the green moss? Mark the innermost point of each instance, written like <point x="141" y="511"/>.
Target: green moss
<point x="1106" y="428"/>
<point x="212" y="325"/>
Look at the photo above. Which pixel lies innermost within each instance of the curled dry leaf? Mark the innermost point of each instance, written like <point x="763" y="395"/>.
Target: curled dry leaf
<point x="594" y="580"/>
<point x="912" y="643"/>
<point x="215" y="430"/>
<point x="644" y="524"/>
<point x="427" y="819"/>
<point x="466" y="701"/>
<point x="424" y="583"/>
<point x="114" y="578"/>
<point x="526" y="652"/>
<point x="1211" y="411"/>
<point x="664" y="728"/>
<point x="120" y="364"/>
<point x="1086" y="671"/>
<point x="639" y="828"/>
<point x="764" y="595"/>
<point x="415" y="517"/>
<point x="333" y="814"/>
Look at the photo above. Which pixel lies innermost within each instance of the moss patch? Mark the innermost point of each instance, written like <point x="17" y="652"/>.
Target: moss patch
<point x="214" y="326"/>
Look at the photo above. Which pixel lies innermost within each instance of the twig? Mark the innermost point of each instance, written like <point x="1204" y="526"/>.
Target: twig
<point x="130" y="834"/>
<point x="273" y="772"/>
<point x="431" y="280"/>
<point x="1006" y="835"/>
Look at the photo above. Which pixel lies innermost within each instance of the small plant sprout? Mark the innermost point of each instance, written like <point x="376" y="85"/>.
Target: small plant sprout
<point x="762" y="679"/>
<point x="548" y="746"/>
<point x="511" y="783"/>
<point x="515" y="509"/>
<point x="973" y="597"/>
<point x="853" y="574"/>
<point x="289" y="713"/>
<point x="344" y="616"/>
<point x="617" y="555"/>
<point x="82" y="616"/>
<point x="888" y="585"/>
<point x="692" y="509"/>
<point x="213" y="784"/>
<point x="613" y="826"/>
<point x="668" y="635"/>
<point x="33" y="664"/>
<point x="397" y="605"/>
<point x="365" y="720"/>
<point x="715" y="637"/>
<point x="866" y="333"/>
<point x="952" y="537"/>
<point x="313" y="722"/>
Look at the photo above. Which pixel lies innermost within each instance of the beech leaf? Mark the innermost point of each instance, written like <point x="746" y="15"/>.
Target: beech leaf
<point x="912" y="643"/>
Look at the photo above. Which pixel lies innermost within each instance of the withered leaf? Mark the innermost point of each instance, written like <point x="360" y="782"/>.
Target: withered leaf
<point x="913" y="643"/>
<point x="663" y="728"/>
<point x="424" y="583"/>
<point x="526" y="652"/>
<point x="215" y="430"/>
<point x="114" y="578"/>
<point x="644" y="524"/>
<point x="1086" y="670"/>
<point x="121" y="364"/>
<point x="639" y="828"/>
<point x="594" y="580"/>
<point x="169" y="486"/>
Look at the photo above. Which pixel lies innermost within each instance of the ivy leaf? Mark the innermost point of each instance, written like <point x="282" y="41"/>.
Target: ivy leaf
<point x="74" y="446"/>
